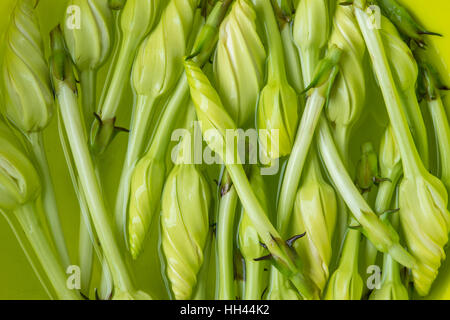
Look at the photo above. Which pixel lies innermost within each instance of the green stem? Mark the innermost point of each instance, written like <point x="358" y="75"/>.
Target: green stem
<point x="26" y="216"/>
<point x="158" y="148"/>
<point x="173" y="110"/>
<point x="412" y="163"/>
<point x="49" y="200"/>
<point x="442" y="129"/>
<point x="85" y="251"/>
<point x="225" y="237"/>
<point x="254" y="282"/>
<point x="341" y="138"/>
<point x="355" y="202"/>
<point x="310" y="58"/>
<point x="350" y="251"/>
<point x="269" y="235"/>
<point x="276" y="67"/>
<point x="120" y="76"/>
<point x="391" y="269"/>
<point x="296" y="161"/>
<point x="88" y="94"/>
<point x="138" y="137"/>
<point x="25" y="245"/>
<point x="90" y="185"/>
<point x="386" y="191"/>
<point x="417" y="127"/>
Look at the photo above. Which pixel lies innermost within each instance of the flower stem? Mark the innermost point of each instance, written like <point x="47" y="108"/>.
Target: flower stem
<point x="85" y="253"/>
<point x="158" y="148"/>
<point x="254" y="283"/>
<point x="49" y="200"/>
<point x="386" y="191"/>
<point x="297" y="159"/>
<point x="276" y="66"/>
<point x="418" y="129"/>
<point x="88" y="94"/>
<point x="269" y="235"/>
<point x="120" y="76"/>
<point x="26" y="216"/>
<point x="138" y="136"/>
<point x="387" y="240"/>
<point x="412" y="163"/>
<point x="89" y="182"/>
<point x="225" y="234"/>
<point x="442" y="129"/>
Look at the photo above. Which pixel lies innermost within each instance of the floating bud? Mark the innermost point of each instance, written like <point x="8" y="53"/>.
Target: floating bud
<point x="311" y="37"/>
<point x="19" y="180"/>
<point x="346" y="282"/>
<point x="239" y="62"/>
<point x="405" y="72"/>
<point x="426" y="222"/>
<point x="146" y="187"/>
<point x="278" y="102"/>
<point x="347" y="96"/>
<point x="159" y="62"/>
<point x="315" y="213"/>
<point x="185" y="224"/>
<point x="89" y="43"/>
<point x="250" y="244"/>
<point x="28" y="96"/>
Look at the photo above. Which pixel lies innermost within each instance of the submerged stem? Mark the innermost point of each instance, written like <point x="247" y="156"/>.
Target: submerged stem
<point x="88" y="94"/>
<point x="89" y="182"/>
<point x="26" y="216"/>
<point x="49" y="200"/>
<point x="442" y="129"/>
<point x="297" y="159"/>
<point x="225" y="240"/>
<point x="138" y="136"/>
<point x="276" y="66"/>
<point x="269" y="235"/>
<point x="412" y="163"/>
<point x="387" y="239"/>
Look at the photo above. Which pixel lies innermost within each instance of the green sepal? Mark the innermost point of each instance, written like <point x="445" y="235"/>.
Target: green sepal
<point x="284" y="11"/>
<point x="208" y="35"/>
<point x="61" y="66"/>
<point x="326" y="69"/>
<point x="103" y="133"/>
<point x="403" y="20"/>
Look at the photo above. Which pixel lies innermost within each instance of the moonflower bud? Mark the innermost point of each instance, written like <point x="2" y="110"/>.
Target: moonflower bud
<point x="315" y="213"/>
<point x="405" y="72"/>
<point x="348" y="93"/>
<point x="28" y="95"/>
<point x="426" y="222"/>
<point x="89" y="43"/>
<point x="159" y="62"/>
<point x="146" y="187"/>
<point x="346" y="282"/>
<point x="19" y="181"/>
<point x="185" y="224"/>
<point x="239" y="62"/>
